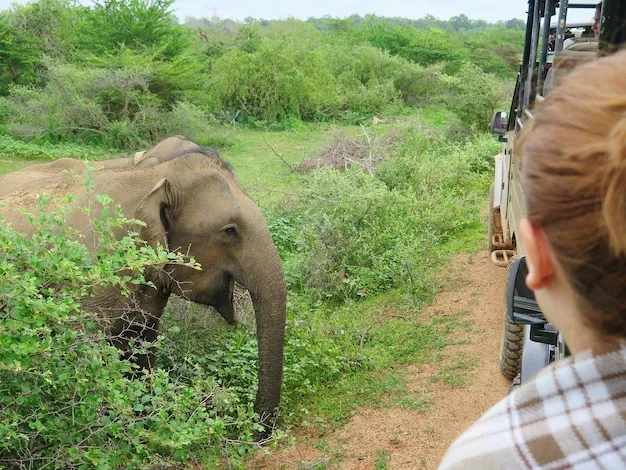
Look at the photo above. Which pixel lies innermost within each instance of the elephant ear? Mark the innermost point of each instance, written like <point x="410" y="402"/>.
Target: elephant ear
<point x="139" y="156"/>
<point x="156" y="210"/>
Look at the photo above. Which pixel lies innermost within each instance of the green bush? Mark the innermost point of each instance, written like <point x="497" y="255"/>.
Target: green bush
<point x="67" y="401"/>
<point x="496" y="50"/>
<point x="475" y="95"/>
<point x="421" y="85"/>
<point x="114" y="107"/>
<point x="283" y="78"/>
<point x="19" y="56"/>
<point x="111" y="72"/>
<point x="312" y="359"/>
<point x="186" y="119"/>
<point x="365" y="79"/>
<point x="15" y="149"/>
<point x="76" y="102"/>
<point x="138" y="24"/>
<point x="424" y="47"/>
<point x="360" y="235"/>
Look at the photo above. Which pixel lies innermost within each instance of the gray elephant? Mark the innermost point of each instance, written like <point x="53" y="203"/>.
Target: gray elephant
<point x="192" y="203"/>
<point x="162" y="152"/>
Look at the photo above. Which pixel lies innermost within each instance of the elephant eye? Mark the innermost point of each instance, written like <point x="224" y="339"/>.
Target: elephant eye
<point x="231" y="231"/>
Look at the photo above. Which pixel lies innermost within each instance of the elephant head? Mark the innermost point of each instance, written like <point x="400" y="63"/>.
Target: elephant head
<point x="164" y="151"/>
<point x="197" y="206"/>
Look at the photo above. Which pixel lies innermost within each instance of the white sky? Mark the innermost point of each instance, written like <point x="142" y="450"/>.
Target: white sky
<point x="490" y="10"/>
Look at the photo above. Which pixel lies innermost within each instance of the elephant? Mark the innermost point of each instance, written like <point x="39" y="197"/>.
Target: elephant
<point x="33" y="174"/>
<point x="193" y="203"/>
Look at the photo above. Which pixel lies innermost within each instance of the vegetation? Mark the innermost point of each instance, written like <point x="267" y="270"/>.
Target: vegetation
<point x="382" y="237"/>
<point x="360" y="245"/>
<point x="123" y="73"/>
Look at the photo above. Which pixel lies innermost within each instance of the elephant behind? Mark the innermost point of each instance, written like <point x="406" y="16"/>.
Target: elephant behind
<point x="193" y="203"/>
<point x="34" y="174"/>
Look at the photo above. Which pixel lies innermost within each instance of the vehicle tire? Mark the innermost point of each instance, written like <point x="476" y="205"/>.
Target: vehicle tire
<point x="512" y="347"/>
<point x="491" y="229"/>
<point x="512" y="340"/>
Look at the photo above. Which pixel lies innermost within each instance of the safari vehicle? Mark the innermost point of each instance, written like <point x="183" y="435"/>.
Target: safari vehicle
<point x="529" y="341"/>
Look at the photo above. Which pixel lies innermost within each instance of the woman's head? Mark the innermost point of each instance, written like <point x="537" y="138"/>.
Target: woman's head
<point x="574" y="182"/>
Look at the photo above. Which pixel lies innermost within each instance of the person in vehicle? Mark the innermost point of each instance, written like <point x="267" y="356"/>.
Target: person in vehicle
<point x="597" y="17"/>
<point x="573" y="413"/>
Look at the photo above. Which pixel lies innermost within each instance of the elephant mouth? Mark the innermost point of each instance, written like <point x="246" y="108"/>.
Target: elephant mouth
<point x="223" y="300"/>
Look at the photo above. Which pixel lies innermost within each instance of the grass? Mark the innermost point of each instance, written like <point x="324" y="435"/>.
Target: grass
<point x="382" y="460"/>
<point x="391" y="345"/>
<point x="456" y="373"/>
<point x="260" y="170"/>
<point x="7" y="166"/>
<point x="15" y="154"/>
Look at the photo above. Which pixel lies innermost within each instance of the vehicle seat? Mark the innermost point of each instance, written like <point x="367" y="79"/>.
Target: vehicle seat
<point x="582" y="51"/>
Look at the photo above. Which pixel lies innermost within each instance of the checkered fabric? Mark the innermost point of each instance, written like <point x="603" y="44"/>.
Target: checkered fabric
<point x="572" y="415"/>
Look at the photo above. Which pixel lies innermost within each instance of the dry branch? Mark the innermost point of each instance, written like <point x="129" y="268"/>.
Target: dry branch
<point x="279" y="155"/>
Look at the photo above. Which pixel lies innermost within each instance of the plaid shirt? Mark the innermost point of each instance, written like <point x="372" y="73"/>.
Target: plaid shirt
<point x="571" y="415"/>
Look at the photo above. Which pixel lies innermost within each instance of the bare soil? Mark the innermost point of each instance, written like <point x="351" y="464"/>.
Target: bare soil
<point x="399" y="438"/>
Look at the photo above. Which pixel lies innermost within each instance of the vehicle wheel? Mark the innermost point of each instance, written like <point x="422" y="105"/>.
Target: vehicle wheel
<point x="512" y="341"/>
<point x="512" y="347"/>
<point x="490" y="226"/>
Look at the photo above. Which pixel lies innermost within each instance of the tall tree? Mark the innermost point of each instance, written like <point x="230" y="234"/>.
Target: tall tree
<point x="137" y="24"/>
<point x="19" y="55"/>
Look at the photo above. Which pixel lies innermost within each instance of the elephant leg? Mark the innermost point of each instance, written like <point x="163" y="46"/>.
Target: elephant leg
<point x="136" y="330"/>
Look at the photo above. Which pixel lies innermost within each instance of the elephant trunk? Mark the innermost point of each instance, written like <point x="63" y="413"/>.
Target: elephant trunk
<point x="265" y="280"/>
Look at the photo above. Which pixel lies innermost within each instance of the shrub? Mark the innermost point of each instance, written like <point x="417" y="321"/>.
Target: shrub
<point x="139" y="24"/>
<point x="19" y="56"/>
<point x="496" y="50"/>
<point x="312" y="359"/>
<point x="424" y="47"/>
<point x="361" y="101"/>
<point x="114" y="107"/>
<point x="281" y="79"/>
<point x="356" y="247"/>
<point x="475" y="95"/>
<point x="421" y="85"/>
<point x="67" y="401"/>
<point x="187" y="119"/>
<point x="122" y="134"/>
<point x="76" y="102"/>
<point x="365" y="78"/>
<point x="359" y="234"/>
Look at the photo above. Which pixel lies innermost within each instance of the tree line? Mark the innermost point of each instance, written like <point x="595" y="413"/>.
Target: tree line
<point x="123" y="72"/>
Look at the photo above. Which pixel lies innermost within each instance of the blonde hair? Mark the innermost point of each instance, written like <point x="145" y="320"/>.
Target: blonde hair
<point x="574" y="182"/>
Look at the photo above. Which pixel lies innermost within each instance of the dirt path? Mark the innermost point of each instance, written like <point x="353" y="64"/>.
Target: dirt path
<point x="396" y="438"/>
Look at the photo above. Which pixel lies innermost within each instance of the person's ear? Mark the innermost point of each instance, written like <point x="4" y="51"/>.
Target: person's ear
<point x="538" y="255"/>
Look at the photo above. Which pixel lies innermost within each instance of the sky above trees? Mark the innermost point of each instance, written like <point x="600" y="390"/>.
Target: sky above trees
<point x="489" y="10"/>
